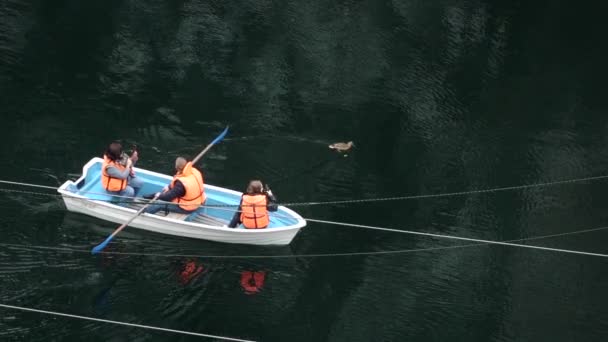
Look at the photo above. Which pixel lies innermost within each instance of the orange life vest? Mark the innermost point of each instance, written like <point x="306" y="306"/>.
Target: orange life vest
<point x="192" y="179"/>
<point x="254" y="214"/>
<point x="111" y="183"/>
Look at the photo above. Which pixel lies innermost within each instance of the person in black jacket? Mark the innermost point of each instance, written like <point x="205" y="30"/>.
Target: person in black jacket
<point x="177" y="192"/>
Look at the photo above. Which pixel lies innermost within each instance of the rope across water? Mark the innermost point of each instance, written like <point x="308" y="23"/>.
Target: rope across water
<point x="86" y="249"/>
<point x="364" y="200"/>
<point x="476" y="242"/>
<point x="450" y="194"/>
<point x="54" y="313"/>
<point x="482" y="241"/>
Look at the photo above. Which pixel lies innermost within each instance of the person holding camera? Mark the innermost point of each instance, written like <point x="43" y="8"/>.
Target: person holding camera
<point x="117" y="175"/>
<point x="255" y="204"/>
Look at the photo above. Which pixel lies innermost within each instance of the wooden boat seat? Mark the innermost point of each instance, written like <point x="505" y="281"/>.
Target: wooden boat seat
<point x="195" y="217"/>
<point x="209" y="220"/>
<point x="175" y="216"/>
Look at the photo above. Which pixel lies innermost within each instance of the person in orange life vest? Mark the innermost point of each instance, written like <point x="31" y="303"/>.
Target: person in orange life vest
<point x="254" y="207"/>
<point x="117" y="175"/>
<point x="186" y="191"/>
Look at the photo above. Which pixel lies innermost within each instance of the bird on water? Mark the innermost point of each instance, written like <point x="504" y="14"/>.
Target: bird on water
<point x="342" y="147"/>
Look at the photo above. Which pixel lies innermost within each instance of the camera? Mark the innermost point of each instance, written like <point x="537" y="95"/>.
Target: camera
<point x="267" y="190"/>
<point x="124" y="158"/>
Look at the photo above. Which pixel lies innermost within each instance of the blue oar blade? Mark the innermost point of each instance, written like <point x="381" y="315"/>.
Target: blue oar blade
<point x="220" y="137"/>
<point x="102" y="245"/>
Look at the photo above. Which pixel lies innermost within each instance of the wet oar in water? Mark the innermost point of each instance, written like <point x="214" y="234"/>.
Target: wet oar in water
<point x="102" y="245"/>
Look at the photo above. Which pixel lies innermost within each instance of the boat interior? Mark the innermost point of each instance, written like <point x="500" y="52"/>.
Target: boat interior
<point x="218" y="210"/>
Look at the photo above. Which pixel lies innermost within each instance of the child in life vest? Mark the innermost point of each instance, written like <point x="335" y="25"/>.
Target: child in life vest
<point x="255" y="204"/>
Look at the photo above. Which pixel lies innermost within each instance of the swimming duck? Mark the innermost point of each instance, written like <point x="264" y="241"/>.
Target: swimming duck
<point x="342" y="147"/>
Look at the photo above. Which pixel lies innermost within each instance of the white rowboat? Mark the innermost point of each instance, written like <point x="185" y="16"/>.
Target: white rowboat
<point x="87" y="196"/>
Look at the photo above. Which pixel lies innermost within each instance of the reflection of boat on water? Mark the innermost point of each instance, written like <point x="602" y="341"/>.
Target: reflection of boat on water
<point x="176" y="271"/>
<point x="146" y="247"/>
<point x="87" y="196"/>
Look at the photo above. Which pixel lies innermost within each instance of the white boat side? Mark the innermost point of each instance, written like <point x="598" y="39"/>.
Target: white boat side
<point x="105" y="210"/>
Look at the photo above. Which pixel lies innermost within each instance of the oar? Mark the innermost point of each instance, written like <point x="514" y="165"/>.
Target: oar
<point x="102" y="245"/>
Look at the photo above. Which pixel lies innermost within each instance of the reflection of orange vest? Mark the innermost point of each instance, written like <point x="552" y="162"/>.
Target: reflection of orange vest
<point x="253" y="212"/>
<point x="191" y="270"/>
<point x="252" y="282"/>
<point x="192" y="180"/>
<point x="111" y="183"/>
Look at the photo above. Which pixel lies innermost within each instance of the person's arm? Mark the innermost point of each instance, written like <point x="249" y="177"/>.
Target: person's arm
<point x="134" y="157"/>
<point x="115" y="173"/>
<point x="271" y="202"/>
<point x="236" y="218"/>
<point x="178" y="190"/>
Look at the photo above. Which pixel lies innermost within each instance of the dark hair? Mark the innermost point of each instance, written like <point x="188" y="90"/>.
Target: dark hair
<point x="254" y="187"/>
<point x="114" y="150"/>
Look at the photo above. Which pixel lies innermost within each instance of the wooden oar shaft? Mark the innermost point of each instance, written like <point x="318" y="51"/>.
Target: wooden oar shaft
<point x="135" y="216"/>
<point x="200" y="155"/>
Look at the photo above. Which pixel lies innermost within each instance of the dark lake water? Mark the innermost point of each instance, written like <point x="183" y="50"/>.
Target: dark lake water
<point x="438" y="96"/>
